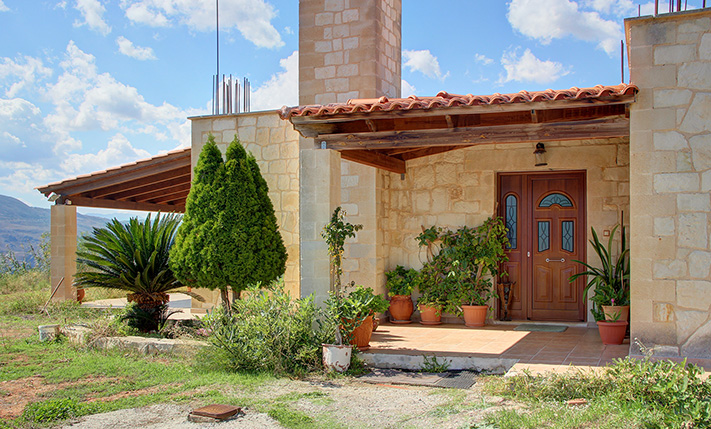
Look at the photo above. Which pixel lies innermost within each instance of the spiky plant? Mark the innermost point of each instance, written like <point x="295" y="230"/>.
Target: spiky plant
<point x="132" y="257"/>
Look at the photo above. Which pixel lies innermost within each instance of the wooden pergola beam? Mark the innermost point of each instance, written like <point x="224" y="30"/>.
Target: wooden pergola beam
<point x="146" y="184"/>
<point x="617" y="126"/>
<point x="124" y="205"/>
<point x="375" y="159"/>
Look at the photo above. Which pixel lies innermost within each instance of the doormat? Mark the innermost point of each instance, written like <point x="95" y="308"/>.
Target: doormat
<point x="540" y="328"/>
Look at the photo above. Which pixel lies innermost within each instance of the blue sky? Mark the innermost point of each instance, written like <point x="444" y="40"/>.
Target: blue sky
<point x="89" y="84"/>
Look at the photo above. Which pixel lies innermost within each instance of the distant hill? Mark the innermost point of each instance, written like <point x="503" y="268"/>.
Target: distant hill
<point x="22" y="225"/>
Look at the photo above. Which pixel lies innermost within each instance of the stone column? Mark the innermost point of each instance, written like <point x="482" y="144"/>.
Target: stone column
<point x="348" y="49"/>
<point x="63" y="249"/>
<point x="319" y="195"/>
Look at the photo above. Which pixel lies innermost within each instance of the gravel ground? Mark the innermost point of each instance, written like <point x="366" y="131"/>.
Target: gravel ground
<point x="341" y="403"/>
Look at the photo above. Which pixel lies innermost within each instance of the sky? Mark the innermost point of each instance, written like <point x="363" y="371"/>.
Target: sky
<point x="90" y="84"/>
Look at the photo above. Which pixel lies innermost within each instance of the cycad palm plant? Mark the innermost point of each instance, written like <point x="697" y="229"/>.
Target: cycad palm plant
<point x="132" y="257"/>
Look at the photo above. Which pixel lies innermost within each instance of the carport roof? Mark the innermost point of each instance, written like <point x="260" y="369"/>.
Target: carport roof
<point x="160" y="183"/>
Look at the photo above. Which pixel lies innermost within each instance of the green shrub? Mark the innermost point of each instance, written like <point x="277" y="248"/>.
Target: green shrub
<point x="673" y="392"/>
<point x="54" y="409"/>
<point x="268" y="331"/>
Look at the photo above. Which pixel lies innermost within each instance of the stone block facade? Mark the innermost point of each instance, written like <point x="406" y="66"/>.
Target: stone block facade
<point x="348" y="49"/>
<point x="670" y="180"/>
<point x="275" y="145"/>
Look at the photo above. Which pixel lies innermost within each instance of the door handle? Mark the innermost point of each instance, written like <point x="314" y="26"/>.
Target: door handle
<point x="555" y="260"/>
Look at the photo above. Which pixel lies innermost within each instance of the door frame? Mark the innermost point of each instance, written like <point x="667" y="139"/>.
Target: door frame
<point x="527" y="205"/>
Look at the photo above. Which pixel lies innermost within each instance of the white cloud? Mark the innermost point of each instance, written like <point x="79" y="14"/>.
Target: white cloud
<point x="3" y="8"/>
<point x="406" y="89"/>
<point x="118" y="151"/>
<point x="480" y="58"/>
<point x="127" y="48"/>
<point x="252" y="18"/>
<point x="281" y="89"/>
<point x="424" y="62"/>
<point x="92" y="11"/>
<point x="546" y="20"/>
<point x="528" y="68"/>
<point x="17" y="74"/>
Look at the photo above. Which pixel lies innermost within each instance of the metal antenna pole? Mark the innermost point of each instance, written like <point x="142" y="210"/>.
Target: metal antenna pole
<point x="217" y="32"/>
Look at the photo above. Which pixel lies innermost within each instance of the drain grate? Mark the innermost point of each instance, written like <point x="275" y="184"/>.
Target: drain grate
<point x="451" y="379"/>
<point x="457" y="380"/>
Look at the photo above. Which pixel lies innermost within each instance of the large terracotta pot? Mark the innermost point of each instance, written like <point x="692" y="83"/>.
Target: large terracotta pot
<point x="475" y="315"/>
<point x="362" y="334"/>
<point x="612" y="332"/>
<point x="612" y="310"/>
<point x="401" y="309"/>
<point x="336" y="358"/>
<point x="430" y="315"/>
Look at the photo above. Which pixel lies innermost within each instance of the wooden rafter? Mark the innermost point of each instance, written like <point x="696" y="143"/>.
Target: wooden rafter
<point x="375" y="159"/>
<point x="518" y="133"/>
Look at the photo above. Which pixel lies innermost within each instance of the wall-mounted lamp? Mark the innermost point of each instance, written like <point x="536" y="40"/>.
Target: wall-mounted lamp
<point x="53" y="197"/>
<point x="540" y="154"/>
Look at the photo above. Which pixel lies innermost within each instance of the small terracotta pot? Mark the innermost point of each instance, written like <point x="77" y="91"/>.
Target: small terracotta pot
<point x="475" y="315"/>
<point x="81" y="293"/>
<point x="430" y="315"/>
<point x="401" y="309"/>
<point x="362" y="334"/>
<point x="612" y="310"/>
<point x="612" y="332"/>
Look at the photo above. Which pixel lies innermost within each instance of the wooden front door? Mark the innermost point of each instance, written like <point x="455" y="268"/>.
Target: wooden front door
<point x="545" y="215"/>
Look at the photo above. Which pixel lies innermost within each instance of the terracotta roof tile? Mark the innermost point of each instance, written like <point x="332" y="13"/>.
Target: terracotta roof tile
<point x="445" y="100"/>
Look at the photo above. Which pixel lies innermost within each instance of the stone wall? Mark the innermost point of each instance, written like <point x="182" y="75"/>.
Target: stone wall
<point x="670" y="146"/>
<point x="275" y="145"/>
<point x="459" y="188"/>
<point x="348" y="49"/>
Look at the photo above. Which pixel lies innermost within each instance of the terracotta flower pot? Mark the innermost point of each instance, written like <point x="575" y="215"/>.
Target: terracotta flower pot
<point x="612" y="332"/>
<point x="612" y="310"/>
<point x="475" y="315"/>
<point x="337" y="358"/>
<point x="401" y="309"/>
<point x="362" y="334"/>
<point x="430" y="315"/>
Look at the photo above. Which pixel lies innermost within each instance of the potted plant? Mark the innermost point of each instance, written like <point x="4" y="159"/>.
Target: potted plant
<point x="357" y="313"/>
<point x="461" y="272"/>
<point x="612" y="331"/>
<point x="473" y="256"/>
<point x="430" y="281"/>
<point x="611" y="293"/>
<point x="400" y="283"/>
<point x="337" y="356"/>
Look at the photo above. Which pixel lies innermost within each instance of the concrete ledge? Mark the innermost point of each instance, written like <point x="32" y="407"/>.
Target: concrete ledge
<point x="78" y="334"/>
<point x="410" y="362"/>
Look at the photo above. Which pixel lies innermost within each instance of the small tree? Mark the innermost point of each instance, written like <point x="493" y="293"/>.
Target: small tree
<point x="229" y="238"/>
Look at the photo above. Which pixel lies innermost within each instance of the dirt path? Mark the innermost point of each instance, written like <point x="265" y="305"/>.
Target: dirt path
<point x="342" y="403"/>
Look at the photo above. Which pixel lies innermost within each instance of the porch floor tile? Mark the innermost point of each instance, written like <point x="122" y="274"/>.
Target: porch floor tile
<point x="576" y="345"/>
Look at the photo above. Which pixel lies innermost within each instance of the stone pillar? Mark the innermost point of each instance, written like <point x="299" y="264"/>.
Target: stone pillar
<point x="670" y="180"/>
<point x="63" y="220"/>
<point x="348" y="49"/>
<point x="319" y="195"/>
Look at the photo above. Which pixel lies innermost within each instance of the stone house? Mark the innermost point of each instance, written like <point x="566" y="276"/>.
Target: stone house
<point x="638" y="154"/>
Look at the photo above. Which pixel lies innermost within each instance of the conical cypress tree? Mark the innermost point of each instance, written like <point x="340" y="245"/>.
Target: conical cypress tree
<point x="229" y="237"/>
